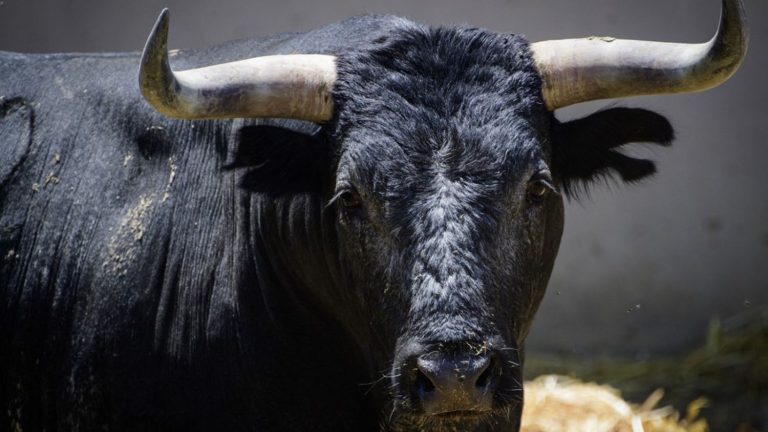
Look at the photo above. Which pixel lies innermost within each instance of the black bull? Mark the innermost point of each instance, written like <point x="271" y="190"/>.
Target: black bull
<point x="280" y="275"/>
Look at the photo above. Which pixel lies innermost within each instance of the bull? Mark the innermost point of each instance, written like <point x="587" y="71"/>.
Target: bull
<point x="351" y="229"/>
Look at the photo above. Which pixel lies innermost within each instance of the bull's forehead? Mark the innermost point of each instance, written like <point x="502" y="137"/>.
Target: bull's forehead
<point x="440" y="115"/>
<point x="477" y="78"/>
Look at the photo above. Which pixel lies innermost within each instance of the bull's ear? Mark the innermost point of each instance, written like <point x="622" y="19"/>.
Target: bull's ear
<point x="588" y="149"/>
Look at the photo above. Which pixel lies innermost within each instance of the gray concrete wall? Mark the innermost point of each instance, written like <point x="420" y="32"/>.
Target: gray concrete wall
<point x="642" y="268"/>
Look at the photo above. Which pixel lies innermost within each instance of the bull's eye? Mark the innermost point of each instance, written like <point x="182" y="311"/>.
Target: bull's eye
<point x="538" y="189"/>
<point x="349" y="199"/>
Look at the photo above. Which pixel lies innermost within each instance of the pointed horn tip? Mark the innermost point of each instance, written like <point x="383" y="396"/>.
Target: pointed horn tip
<point x="154" y="70"/>
<point x="162" y="19"/>
<point x="733" y="33"/>
<point x="744" y="24"/>
<point x="158" y="37"/>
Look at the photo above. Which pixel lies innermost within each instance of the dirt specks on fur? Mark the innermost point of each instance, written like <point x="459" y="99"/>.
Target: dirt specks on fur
<point x="51" y="178"/>
<point x="171" y="177"/>
<point x="136" y="217"/>
<point x="129" y="234"/>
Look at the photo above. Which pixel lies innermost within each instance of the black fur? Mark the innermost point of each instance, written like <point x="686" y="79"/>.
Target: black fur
<point x="173" y="275"/>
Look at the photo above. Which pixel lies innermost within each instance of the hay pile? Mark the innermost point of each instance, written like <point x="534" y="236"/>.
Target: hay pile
<point x="730" y="370"/>
<point x="559" y="404"/>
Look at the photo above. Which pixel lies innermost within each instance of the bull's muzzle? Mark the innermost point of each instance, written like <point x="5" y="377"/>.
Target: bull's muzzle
<point x="459" y="381"/>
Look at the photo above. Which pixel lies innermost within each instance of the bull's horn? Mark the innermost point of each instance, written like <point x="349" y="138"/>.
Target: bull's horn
<point x="287" y="86"/>
<point x="580" y="70"/>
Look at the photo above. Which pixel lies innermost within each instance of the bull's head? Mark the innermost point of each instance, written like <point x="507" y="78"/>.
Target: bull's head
<point x="448" y="181"/>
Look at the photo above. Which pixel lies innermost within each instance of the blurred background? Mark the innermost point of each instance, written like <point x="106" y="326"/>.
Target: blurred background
<point x="670" y="269"/>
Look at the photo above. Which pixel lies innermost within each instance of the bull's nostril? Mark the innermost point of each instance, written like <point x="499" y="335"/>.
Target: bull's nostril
<point x="422" y="383"/>
<point x="446" y="383"/>
<point x="485" y="378"/>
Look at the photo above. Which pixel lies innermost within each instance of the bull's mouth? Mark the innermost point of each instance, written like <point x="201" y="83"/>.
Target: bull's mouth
<point x="461" y="415"/>
<point x="468" y="420"/>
